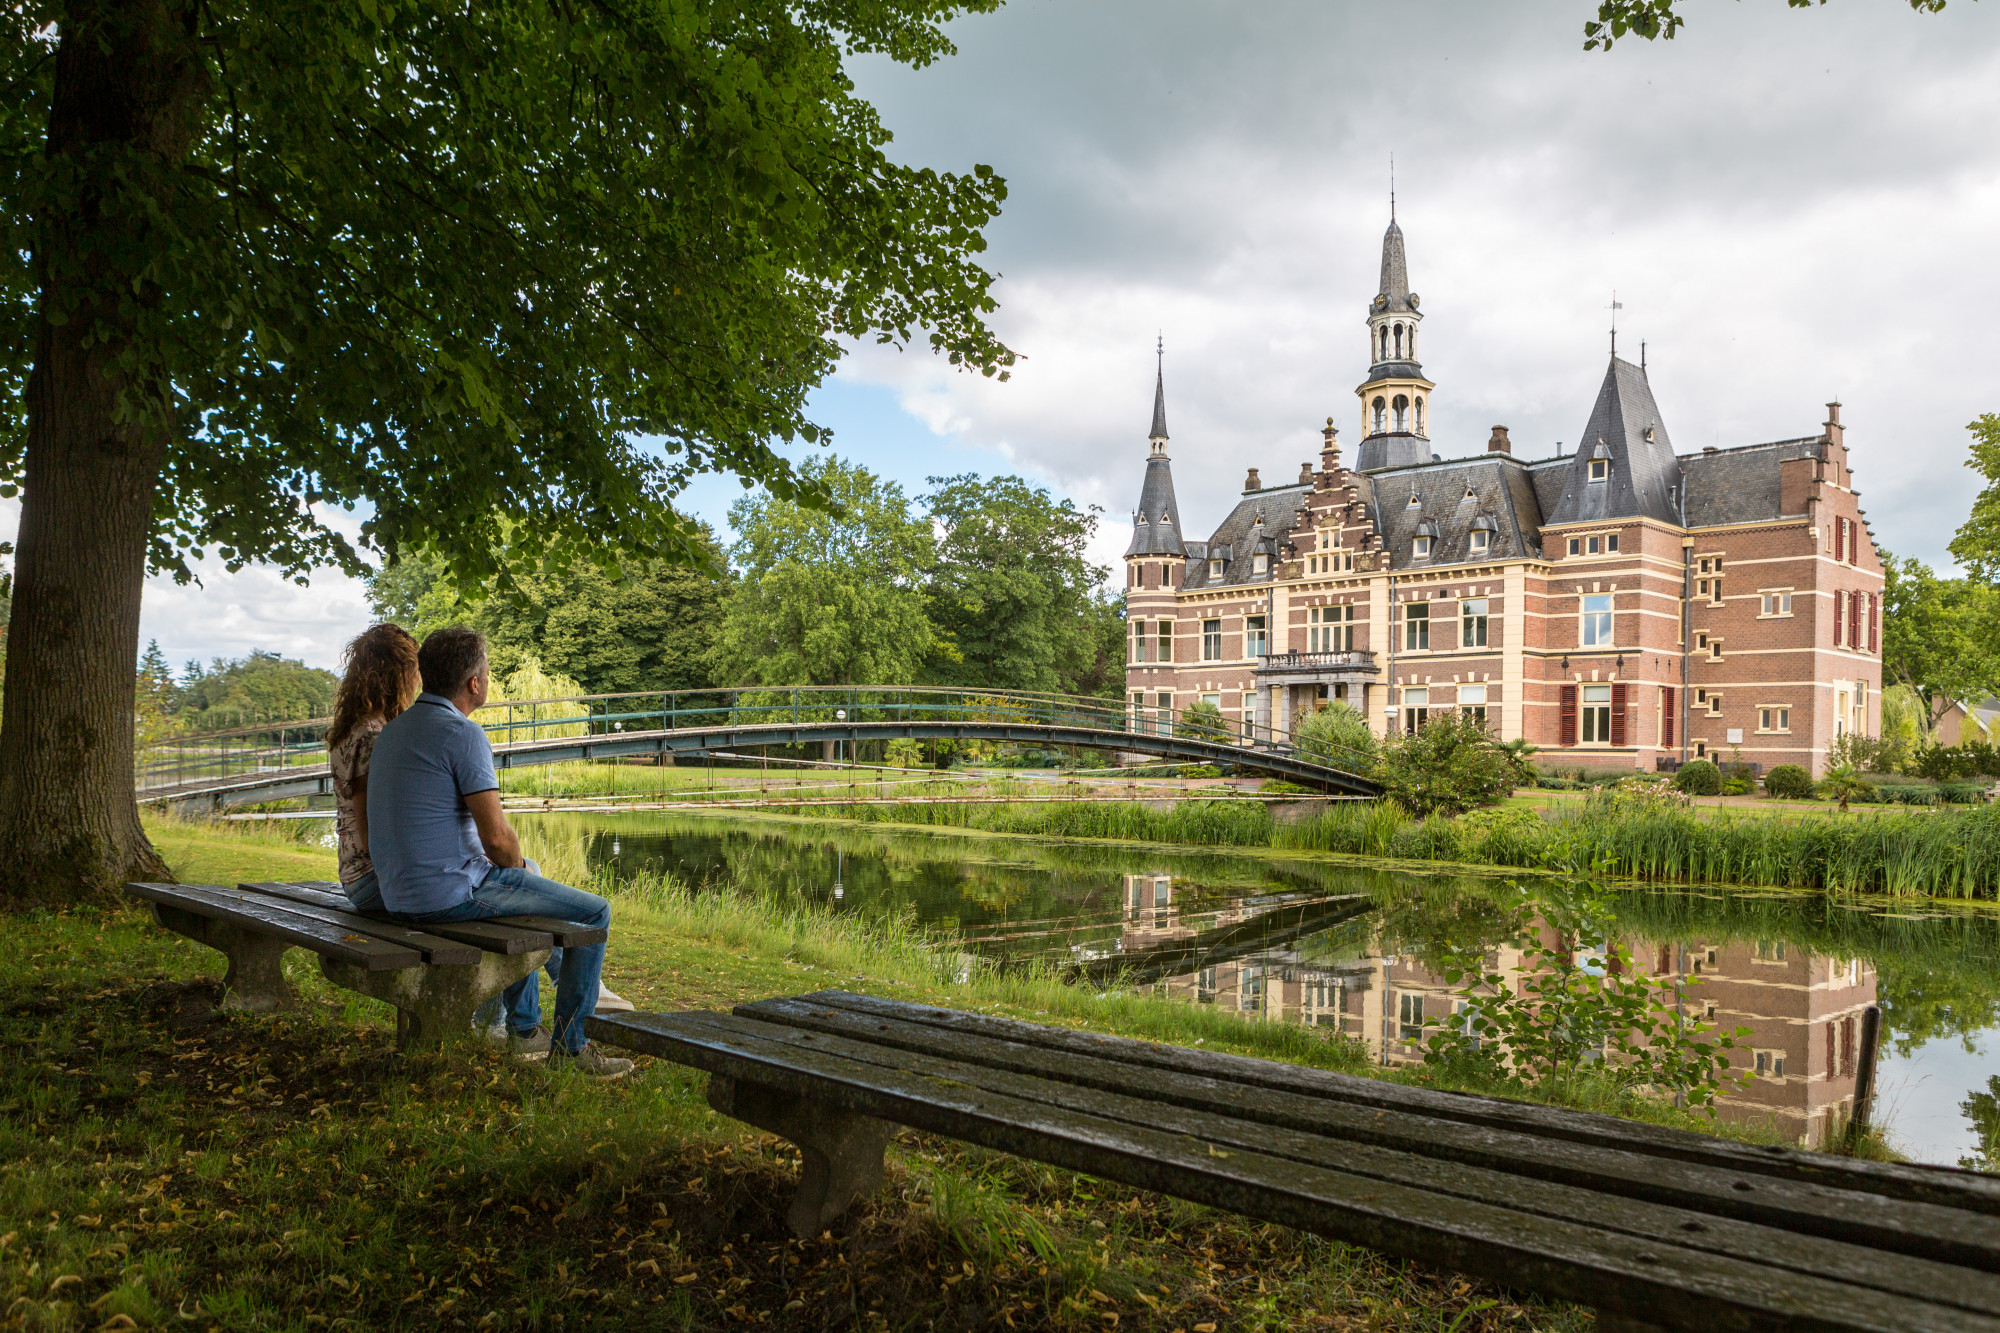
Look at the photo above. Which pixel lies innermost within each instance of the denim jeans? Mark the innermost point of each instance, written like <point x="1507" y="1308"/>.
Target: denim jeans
<point x="519" y="891"/>
<point x="365" y="894"/>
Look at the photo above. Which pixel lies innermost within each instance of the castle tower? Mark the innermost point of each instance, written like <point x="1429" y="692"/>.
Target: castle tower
<point x="1395" y="400"/>
<point x="1156" y="525"/>
<point x="1155" y="570"/>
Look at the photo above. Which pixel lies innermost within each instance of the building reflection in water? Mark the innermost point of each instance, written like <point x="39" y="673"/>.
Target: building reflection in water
<point x="1803" y="1010"/>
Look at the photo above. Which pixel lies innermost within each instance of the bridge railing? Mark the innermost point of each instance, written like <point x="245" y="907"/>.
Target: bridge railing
<point x="218" y="756"/>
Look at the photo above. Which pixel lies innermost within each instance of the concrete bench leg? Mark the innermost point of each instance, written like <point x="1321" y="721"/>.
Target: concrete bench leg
<point x="1608" y="1322"/>
<point x="435" y="1003"/>
<point x="841" y="1151"/>
<point x="256" y="981"/>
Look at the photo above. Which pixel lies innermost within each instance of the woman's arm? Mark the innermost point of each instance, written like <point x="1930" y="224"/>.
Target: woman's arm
<point x="360" y="807"/>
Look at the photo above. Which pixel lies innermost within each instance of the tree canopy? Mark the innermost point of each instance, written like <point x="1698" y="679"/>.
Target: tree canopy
<point x="1661" y="19"/>
<point x="1977" y="545"/>
<point x="1940" y="636"/>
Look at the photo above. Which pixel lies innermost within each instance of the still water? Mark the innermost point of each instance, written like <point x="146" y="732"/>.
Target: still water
<point x="1287" y="939"/>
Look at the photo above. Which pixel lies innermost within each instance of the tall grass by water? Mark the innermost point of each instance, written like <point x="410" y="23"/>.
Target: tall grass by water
<point x="1946" y="853"/>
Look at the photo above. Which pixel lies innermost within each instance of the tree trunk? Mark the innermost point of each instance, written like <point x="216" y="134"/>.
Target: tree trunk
<point x="129" y="88"/>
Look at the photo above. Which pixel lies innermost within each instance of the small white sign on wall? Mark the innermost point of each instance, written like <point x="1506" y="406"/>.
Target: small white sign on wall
<point x="1736" y="735"/>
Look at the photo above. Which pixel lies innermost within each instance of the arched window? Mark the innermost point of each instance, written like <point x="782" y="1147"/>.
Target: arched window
<point x="1402" y="412"/>
<point x="1383" y="355"/>
<point x="1399" y="342"/>
<point x="1412" y="348"/>
<point x="1420" y="416"/>
<point x="1379" y="406"/>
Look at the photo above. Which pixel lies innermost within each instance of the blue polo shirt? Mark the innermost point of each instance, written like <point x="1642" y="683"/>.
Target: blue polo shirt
<point x="421" y="837"/>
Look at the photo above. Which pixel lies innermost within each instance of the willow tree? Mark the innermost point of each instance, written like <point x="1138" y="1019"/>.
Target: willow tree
<point x="545" y="258"/>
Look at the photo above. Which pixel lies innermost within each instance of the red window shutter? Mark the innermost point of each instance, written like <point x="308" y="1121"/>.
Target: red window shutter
<point x="1839" y="540"/>
<point x="1568" y="715"/>
<point x="1854" y="620"/>
<point x="1618" y="714"/>
<point x="1667" y="717"/>
<point x="1874" y="619"/>
<point x="1839" y="615"/>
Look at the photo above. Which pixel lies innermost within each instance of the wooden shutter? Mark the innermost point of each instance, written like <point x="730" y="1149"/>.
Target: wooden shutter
<point x="1568" y="715"/>
<point x="1854" y="620"/>
<point x="1839" y="615"/>
<point x="1839" y="540"/>
<point x="1874" y="619"/>
<point x="1618" y="714"/>
<point x="1667" y="716"/>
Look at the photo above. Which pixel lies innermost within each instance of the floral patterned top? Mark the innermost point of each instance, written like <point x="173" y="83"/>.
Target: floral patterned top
<point x="350" y="768"/>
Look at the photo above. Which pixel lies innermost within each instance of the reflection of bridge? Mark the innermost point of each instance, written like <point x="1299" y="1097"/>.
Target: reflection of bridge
<point x="596" y="727"/>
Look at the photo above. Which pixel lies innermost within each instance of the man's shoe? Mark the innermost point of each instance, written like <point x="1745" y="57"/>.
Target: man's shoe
<point x="610" y="1002"/>
<point x="590" y="1061"/>
<point x="533" y="1046"/>
<point x="497" y="1034"/>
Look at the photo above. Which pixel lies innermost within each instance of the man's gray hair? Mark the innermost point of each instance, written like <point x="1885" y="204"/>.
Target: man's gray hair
<point x="449" y="658"/>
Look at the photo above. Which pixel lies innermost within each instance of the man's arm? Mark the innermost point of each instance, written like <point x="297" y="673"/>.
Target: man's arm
<point x="503" y="845"/>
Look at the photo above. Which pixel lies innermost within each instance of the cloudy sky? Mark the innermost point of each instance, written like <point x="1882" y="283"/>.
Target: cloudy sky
<point x="1792" y="205"/>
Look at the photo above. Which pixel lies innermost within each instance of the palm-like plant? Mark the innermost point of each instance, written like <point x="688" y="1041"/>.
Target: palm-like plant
<point x="1844" y="784"/>
<point x="1518" y="751"/>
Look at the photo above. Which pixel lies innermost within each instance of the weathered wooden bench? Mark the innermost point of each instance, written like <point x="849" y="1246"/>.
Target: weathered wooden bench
<point x="435" y="975"/>
<point x="1656" y="1228"/>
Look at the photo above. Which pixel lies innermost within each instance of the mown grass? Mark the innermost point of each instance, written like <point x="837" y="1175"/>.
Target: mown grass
<point x="171" y="1164"/>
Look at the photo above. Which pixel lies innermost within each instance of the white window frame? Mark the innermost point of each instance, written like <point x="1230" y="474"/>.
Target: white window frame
<point x="1256" y="637"/>
<point x="1600" y="469"/>
<point x="1416" y="627"/>
<point x="1420" y="548"/>
<point x="1260" y="563"/>
<point x="1215" y="567"/>
<point x="1594" y="722"/>
<point x="1472" y="621"/>
<point x="1479" y="540"/>
<point x="1594" y="620"/>
<point x="1774" y="603"/>
<point x="1211" y="640"/>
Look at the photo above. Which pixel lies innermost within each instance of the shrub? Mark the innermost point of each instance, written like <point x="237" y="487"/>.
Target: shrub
<point x="1789" y="782"/>
<point x="1963" y="793"/>
<point x="1202" y="721"/>
<point x="1337" y="736"/>
<point x="1843" y="784"/>
<point x="1448" y="767"/>
<point x="1943" y="763"/>
<point x="1698" y="777"/>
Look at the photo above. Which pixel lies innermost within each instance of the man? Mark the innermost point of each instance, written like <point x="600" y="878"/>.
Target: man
<point x="444" y="851"/>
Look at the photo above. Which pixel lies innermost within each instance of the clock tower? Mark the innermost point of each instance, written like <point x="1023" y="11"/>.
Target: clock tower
<point x="1395" y="399"/>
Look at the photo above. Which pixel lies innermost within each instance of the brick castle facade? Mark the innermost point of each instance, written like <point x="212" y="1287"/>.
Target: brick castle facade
<point x="1617" y="606"/>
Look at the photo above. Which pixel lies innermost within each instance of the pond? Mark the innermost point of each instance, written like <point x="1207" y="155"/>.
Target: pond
<point x="1351" y="947"/>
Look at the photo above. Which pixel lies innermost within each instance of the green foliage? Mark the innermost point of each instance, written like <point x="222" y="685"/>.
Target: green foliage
<point x="1451" y="765"/>
<point x="1520" y="752"/>
<point x="1699" y="777"/>
<point x="1337" y="736"/>
<point x="528" y="681"/>
<point x="1012" y="590"/>
<point x="262" y="687"/>
<point x="153" y="697"/>
<point x="1943" y="763"/>
<point x="1203" y="721"/>
<point x="1581" y="1000"/>
<point x="1940" y="637"/>
<point x="1789" y="782"/>
<point x="829" y="596"/>
<point x="1977" y="545"/>
<point x="1983" y="1110"/>
<point x="1844" y="784"/>
<point x="1658" y="19"/>
<point x="457" y="260"/>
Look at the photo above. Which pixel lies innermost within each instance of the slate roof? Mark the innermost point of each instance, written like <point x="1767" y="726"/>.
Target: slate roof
<point x="1451" y="495"/>
<point x="1644" y="475"/>
<point x="1244" y="536"/>
<point x="1159" y="406"/>
<point x="1739" y="485"/>
<point x="1156" y="527"/>
<point x="1395" y="269"/>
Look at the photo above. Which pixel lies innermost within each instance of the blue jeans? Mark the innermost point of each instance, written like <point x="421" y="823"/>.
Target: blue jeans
<point x="518" y="891"/>
<point x="365" y="894"/>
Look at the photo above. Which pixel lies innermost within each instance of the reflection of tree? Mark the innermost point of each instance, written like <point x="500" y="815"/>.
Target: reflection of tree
<point x="1983" y="1110"/>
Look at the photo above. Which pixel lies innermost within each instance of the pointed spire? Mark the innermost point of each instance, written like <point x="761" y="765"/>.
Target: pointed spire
<point x="1395" y="270"/>
<point x="1160" y="393"/>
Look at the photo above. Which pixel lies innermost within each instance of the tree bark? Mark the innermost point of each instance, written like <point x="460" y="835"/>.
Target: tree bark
<point x="129" y="90"/>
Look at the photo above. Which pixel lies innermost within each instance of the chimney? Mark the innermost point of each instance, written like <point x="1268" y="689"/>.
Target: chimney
<point x="1835" y="433"/>
<point x="1250" y="483"/>
<point x="1499" y="443"/>
<point x="1305" y="474"/>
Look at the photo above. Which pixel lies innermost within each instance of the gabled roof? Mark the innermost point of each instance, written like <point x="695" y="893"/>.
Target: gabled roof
<point x="1625" y="429"/>
<point x="1741" y="485"/>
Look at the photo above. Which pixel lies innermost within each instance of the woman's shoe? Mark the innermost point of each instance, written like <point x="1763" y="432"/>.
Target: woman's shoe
<point x="610" y="1002"/>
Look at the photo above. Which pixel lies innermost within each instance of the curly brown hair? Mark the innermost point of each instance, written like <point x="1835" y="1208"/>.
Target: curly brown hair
<point x="381" y="669"/>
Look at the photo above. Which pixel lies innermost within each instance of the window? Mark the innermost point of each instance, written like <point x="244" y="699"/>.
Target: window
<point x="1410" y="1016"/>
<point x="1417" y="626"/>
<point x="1704" y="566"/>
<point x="1479" y="537"/>
<point x="1611" y="543"/>
<point x="1774" y="719"/>
<point x="1472" y="699"/>
<point x="1402" y="406"/>
<point x="1715" y="705"/>
<point x="1597" y="715"/>
<point x="1597" y="620"/>
<point x="1260" y="563"/>
<point x="1701" y="640"/>
<point x="1166" y="640"/>
<point x="1701" y="696"/>
<point x="1715" y="650"/>
<point x="1330" y="629"/>
<point x="1211" y="640"/>
<point x="1770" y="1064"/>
<point x="1379" y="413"/>
<point x="1775" y="603"/>
<point x="1138" y="641"/>
<point x="1420" y="402"/>
<point x="1600" y="469"/>
<point x="1769" y="951"/>
<point x="1715" y="592"/>
<point x="1255" y="642"/>
<point x="1420" y="549"/>
<point x="1215" y="569"/>
<point x="1591" y="545"/>
<point x="1416" y="709"/>
<point x="1212" y="700"/>
<point x="1575" y="546"/>
<point x="1472" y="622"/>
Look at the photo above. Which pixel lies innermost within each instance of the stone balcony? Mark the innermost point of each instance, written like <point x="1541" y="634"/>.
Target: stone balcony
<point x="1296" y="666"/>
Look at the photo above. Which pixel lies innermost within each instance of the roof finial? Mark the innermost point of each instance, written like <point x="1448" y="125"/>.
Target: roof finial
<point x="1392" y="187"/>
<point x="1159" y="432"/>
<point x="1616" y="306"/>
<point x="1642" y="355"/>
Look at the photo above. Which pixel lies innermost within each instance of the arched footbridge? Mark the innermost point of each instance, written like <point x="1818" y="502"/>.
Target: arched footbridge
<point x="283" y="761"/>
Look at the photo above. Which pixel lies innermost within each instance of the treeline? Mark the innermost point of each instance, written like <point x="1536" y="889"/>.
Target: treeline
<point x="240" y="692"/>
<point x="980" y="581"/>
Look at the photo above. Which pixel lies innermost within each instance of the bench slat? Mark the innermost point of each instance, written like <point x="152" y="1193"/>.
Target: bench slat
<point x="1556" y="1258"/>
<point x="1939" y="1185"/>
<point x="269" y="918"/>
<point x="1805" y="1207"/>
<point x="435" y="950"/>
<point x="1606" y="1204"/>
<point x="491" y="936"/>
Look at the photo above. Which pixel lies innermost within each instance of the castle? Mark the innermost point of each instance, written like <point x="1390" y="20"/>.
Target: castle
<point x="1619" y="606"/>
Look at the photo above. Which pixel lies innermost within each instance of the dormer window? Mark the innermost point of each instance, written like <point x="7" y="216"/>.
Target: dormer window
<point x="1421" y="548"/>
<point x="1215" y="569"/>
<point x="1479" y="537"/>
<point x="1260" y="563"/>
<point x="1600" y="469"/>
<point x="1416" y="502"/>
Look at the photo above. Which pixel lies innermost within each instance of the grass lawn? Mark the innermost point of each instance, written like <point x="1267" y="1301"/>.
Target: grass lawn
<point x="168" y="1164"/>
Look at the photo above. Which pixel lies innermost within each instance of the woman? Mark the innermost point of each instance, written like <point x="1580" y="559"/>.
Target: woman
<point x="381" y="681"/>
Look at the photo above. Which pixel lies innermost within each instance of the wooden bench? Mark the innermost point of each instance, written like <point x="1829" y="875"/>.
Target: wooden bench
<point x="1656" y="1228"/>
<point x="435" y="975"/>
